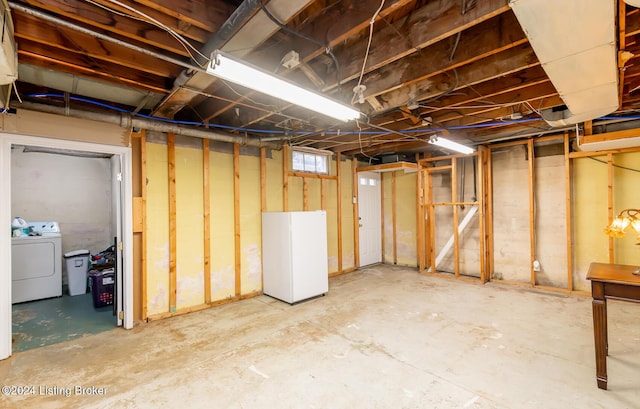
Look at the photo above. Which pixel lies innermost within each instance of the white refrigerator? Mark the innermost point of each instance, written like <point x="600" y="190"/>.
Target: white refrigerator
<point x="294" y="255"/>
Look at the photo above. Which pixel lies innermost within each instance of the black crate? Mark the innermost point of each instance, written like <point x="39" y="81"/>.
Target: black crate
<point x="102" y="287"/>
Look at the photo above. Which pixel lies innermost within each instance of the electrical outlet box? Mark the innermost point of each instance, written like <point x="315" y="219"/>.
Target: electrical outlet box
<point x="291" y="60"/>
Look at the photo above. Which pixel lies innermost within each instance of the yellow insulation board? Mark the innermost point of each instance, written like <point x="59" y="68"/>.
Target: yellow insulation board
<point x="346" y="176"/>
<point x="250" y="225"/>
<point x="332" y="224"/>
<point x="189" y="230"/>
<point x="157" y="229"/>
<point x="222" y="233"/>
<point x="626" y="195"/>
<point x="295" y="194"/>
<point x="406" y="218"/>
<point x="387" y="199"/>
<point x="274" y="182"/>
<point x="589" y="217"/>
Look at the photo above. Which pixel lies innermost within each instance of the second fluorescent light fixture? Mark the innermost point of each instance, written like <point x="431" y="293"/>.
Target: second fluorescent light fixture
<point x="233" y="70"/>
<point x="451" y="145"/>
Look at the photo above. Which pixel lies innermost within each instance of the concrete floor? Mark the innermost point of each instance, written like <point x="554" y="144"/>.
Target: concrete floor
<point x="384" y="337"/>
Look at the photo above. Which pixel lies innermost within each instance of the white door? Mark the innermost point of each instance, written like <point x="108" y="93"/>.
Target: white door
<point x="370" y="218"/>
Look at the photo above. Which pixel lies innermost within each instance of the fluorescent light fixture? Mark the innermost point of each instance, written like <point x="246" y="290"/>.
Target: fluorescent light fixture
<point x="231" y="69"/>
<point x="451" y="145"/>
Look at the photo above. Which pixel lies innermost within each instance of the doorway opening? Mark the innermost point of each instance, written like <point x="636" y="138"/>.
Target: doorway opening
<point x="85" y="188"/>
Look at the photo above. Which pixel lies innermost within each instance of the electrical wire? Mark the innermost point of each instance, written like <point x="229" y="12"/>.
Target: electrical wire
<point x="614" y="165"/>
<point x="408" y="133"/>
<point x="327" y="48"/>
<point x="366" y="54"/>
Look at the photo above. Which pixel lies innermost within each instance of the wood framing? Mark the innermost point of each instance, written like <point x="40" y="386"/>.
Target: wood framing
<point x="532" y="231"/>
<point x="610" y="213"/>
<point x="206" y="210"/>
<point x="143" y="191"/>
<point x="285" y="178"/>
<point x="454" y="198"/>
<point x="481" y="198"/>
<point x="305" y="194"/>
<point x="568" y="211"/>
<point x="382" y="241"/>
<point x="171" y="153"/>
<point x="394" y="217"/>
<point x="356" y="214"/>
<point x="339" y="209"/>
<point x="263" y="199"/>
<point x="236" y="219"/>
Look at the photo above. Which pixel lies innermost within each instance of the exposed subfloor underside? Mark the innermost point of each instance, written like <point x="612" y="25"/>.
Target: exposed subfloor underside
<point x="383" y="337"/>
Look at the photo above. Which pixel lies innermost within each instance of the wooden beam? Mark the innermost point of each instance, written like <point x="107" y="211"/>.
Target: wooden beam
<point x="206" y="207"/>
<point x="610" y="203"/>
<point x="311" y="175"/>
<point x="532" y="204"/>
<point x="171" y="152"/>
<point x="356" y="212"/>
<point x="481" y="200"/>
<point x="263" y="179"/>
<point x="143" y="189"/>
<point x="263" y="201"/>
<point x="610" y="136"/>
<point x="568" y="210"/>
<point x="305" y="194"/>
<point x="339" y="209"/>
<point x="489" y="207"/>
<point x="285" y="178"/>
<point x="76" y="66"/>
<point x="394" y="217"/>
<point x="384" y="258"/>
<point x="87" y="47"/>
<point x="236" y="220"/>
<point x="456" y="223"/>
<point x="88" y="14"/>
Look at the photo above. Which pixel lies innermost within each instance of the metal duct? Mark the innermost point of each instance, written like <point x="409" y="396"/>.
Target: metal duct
<point x="576" y="45"/>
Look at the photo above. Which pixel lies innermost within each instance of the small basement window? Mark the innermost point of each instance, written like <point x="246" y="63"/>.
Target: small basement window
<point x="310" y="160"/>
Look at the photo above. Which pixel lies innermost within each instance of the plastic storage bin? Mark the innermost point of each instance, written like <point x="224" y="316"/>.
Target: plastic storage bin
<point x="77" y="263"/>
<point x="102" y="287"/>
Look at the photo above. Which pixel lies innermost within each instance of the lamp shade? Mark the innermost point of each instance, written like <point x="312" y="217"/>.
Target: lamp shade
<point x="634" y="3"/>
<point x="231" y="69"/>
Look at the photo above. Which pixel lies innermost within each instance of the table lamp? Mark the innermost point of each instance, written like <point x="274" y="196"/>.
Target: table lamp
<point x="626" y="218"/>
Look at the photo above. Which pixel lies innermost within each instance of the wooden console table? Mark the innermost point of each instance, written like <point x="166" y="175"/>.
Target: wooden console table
<point x="609" y="281"/>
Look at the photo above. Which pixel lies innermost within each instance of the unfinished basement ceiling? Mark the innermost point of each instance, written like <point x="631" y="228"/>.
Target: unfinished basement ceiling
<point x="463" y="68"/>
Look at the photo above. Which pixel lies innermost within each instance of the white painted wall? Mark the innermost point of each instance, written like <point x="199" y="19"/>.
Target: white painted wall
<point x="74" y="191"/>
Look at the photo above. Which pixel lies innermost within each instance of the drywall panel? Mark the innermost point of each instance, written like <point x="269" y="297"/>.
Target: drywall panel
<point x="346" y="182"/>
<point x="550" y="224"/>
<point x="74" y="191"/>
<point x="189" y="230"/>
<point x="511" y="241"/>
<point x="157" y="229"/>
<point x="222" y="226"/>
<point x="406" y="222"/>
<point x="250" y="225"/>
<point x="590" y="180"/>
<point x="274" y="182"/>
<point x="626" y="195"/>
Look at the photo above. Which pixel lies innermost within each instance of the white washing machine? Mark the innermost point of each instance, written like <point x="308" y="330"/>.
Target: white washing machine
<point x="36" y="263"/>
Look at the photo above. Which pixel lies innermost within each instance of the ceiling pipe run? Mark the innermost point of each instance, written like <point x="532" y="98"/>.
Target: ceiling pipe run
<point x="128" y="121"/>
